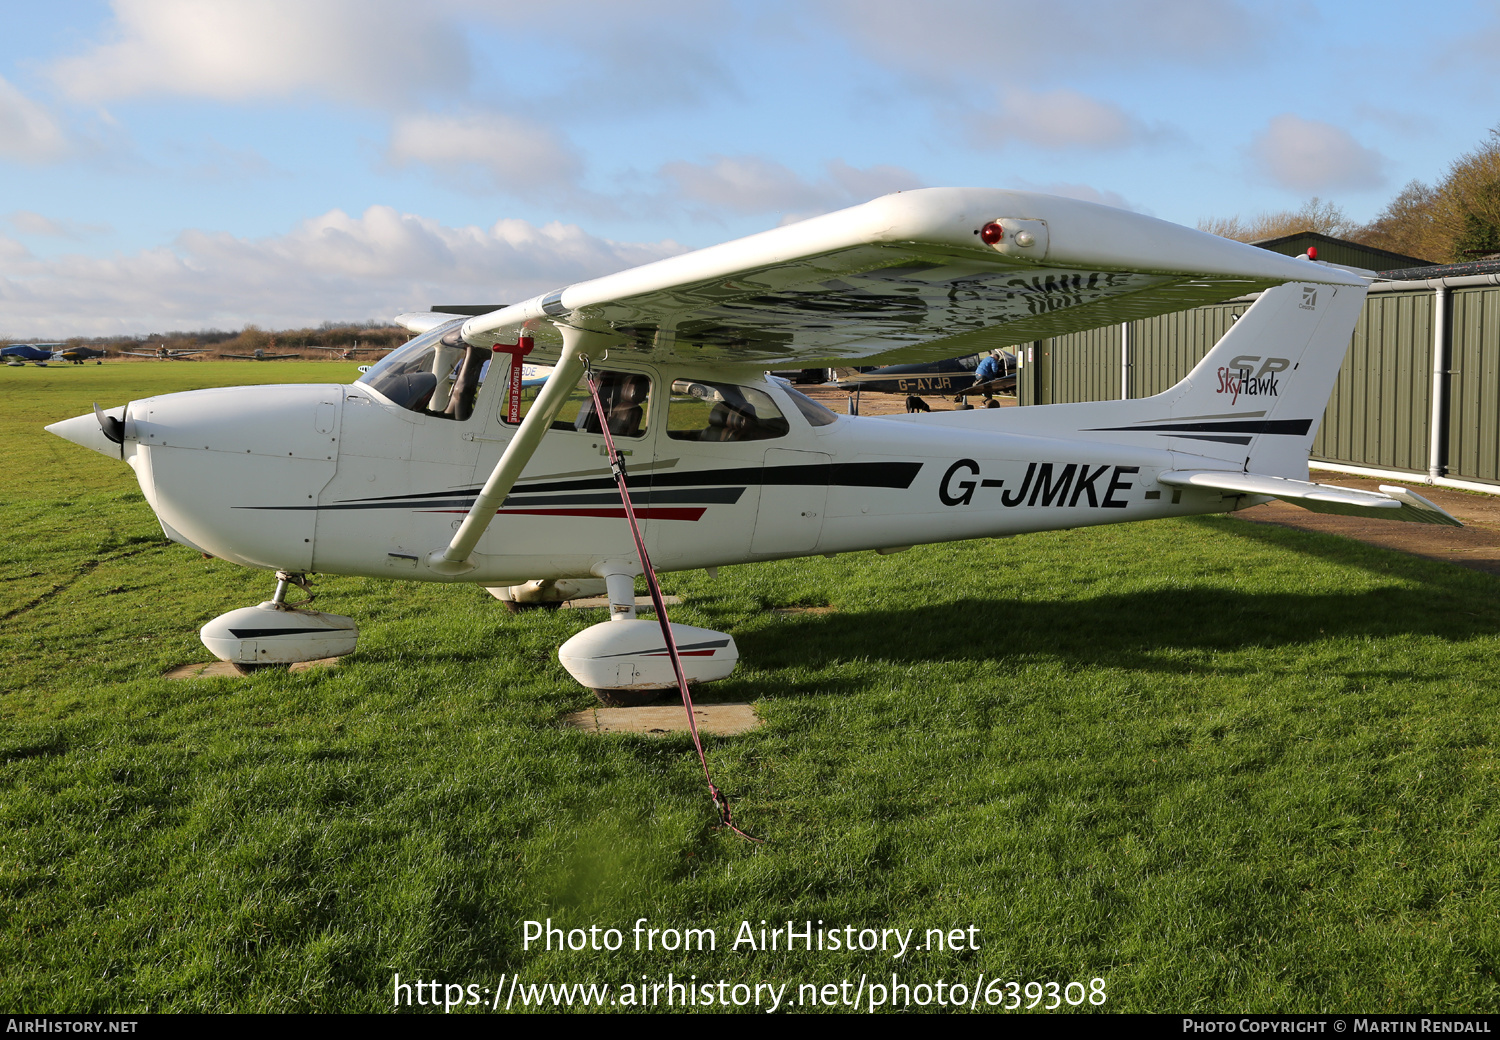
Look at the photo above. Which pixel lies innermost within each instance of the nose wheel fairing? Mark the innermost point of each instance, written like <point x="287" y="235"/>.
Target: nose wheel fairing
<point x="278" y="633"/>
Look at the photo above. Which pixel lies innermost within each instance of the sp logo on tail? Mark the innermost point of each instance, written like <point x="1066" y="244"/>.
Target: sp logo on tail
<point x="1241" y="376"/>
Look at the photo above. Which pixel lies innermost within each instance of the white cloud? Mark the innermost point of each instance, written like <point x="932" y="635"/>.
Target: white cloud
<point x="28" y="133"/>
<point x="1086" y="193"/>
<point x="486" y="150"/>
<point x="750" y="184"/>
<point x="745" y="184"/>
<point x="29" y="223"/>
<point x="335" y="266"/>
<point x="11" y="250"/>
<point x="872" y="182"/>
<point x="1308" y="155"/>
<point x="1060" y="118"/>
<point x="366" y="51"/>
<point x="1002" y="40"/>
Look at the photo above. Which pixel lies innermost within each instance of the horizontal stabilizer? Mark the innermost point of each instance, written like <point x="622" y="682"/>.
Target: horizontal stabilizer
<point x="1389" y="503"/>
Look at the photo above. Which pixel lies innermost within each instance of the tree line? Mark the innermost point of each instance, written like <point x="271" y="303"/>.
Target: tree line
<point x="1453" y="221"/>
<point x="334" y="336"/>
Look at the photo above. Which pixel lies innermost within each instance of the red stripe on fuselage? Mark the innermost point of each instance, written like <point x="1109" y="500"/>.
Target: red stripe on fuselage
<point x="608" y="512"/>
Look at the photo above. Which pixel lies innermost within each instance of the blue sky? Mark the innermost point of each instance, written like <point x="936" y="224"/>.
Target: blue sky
<point x="178" y="164"/>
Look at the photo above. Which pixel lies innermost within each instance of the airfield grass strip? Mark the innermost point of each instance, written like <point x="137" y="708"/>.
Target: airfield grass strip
<point x="1223" y="766"/>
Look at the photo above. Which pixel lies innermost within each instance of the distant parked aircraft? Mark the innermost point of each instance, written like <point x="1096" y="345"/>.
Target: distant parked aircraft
<point x="17" y="354"/>
<point x="948" y="377"/>
<point x="161" y="353"/>
<point x="347" y="353"/>
<point x="78" y="355"/>
<point x="261" y="355"/>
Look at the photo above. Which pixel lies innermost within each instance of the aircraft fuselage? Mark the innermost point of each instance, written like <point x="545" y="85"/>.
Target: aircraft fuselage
<point x="340" y="479"/>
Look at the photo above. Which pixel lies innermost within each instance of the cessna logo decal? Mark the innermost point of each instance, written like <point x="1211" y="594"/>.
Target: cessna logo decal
<point x="1309" y="298"/>
<point x="1236" y="378"/>
<point x="1045" y="484"/>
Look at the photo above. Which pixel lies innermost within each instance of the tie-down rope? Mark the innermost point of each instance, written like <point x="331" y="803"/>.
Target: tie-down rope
<point x="617" y="465"/>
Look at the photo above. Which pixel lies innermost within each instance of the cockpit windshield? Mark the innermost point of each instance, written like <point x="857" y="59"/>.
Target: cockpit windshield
<point x="435" y="374"/>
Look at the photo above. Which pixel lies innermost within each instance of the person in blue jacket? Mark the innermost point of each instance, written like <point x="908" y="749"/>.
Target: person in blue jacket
<point x="989" y="368"/>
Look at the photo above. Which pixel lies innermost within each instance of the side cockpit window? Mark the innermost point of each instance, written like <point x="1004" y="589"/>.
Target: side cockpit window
<point x="703" y="411"/>
<point x="626" y="397"/>
<point x="435" y="374"/>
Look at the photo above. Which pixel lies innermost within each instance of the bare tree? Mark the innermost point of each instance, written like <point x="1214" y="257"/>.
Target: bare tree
<point x="1315" y="215"/>
<point x="1466" y="211"/>
<point x="1407" y="225"/>
<point x="1456" y="220"/>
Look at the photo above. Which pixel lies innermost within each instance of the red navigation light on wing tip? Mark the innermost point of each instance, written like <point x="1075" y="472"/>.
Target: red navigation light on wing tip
<point x="991" y="233"/>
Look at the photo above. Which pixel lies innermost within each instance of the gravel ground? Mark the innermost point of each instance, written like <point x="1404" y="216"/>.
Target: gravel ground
<point x="1475" y="545"/>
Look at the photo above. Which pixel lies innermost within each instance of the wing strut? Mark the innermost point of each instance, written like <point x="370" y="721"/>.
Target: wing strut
<point x="454" y="559"/>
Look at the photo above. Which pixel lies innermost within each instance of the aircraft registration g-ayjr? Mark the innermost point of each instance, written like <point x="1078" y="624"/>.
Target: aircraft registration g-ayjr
<point x="438" y="465"/>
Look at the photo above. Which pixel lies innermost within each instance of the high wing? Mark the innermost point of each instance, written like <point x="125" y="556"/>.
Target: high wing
<point x="915" y="276"/>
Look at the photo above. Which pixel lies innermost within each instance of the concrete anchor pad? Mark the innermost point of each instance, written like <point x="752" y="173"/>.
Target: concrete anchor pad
<point x="659" y="719"/>
<point x="602" y="603"/>
<point x="223" y="669"/>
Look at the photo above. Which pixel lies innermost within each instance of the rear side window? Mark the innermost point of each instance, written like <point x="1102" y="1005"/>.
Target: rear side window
<point x="702" y="411"/>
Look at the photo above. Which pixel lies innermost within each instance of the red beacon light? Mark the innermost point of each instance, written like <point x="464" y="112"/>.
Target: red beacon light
<point x="991" y="233"/>
<point x="1312" y="252"/>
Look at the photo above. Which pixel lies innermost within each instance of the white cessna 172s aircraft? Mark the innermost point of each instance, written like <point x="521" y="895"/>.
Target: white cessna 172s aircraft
<point x="433" y="467"/>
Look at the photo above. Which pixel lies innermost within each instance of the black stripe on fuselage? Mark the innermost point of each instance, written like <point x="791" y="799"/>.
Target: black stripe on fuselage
<point x="653" y="489"/>
<point x="647" y="497"/>
<point x="1251" y="427"/>
<point x="843" y="474"/>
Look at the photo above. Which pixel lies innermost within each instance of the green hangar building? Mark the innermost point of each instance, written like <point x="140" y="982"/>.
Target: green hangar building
<point x="1417" y="399"/>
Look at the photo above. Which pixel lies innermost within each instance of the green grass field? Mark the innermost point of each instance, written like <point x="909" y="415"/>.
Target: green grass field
<point x="1220" y="766"/>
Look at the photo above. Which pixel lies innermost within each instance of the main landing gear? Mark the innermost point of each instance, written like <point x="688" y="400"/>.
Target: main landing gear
<point x="278" y="633"/>
<point x="624" y="660"/>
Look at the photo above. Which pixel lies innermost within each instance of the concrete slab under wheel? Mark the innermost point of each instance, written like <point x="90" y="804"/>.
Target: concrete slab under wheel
<point x="602" y="602"/>
<point x="660" y="719"/>
<point x="223" y="669"/>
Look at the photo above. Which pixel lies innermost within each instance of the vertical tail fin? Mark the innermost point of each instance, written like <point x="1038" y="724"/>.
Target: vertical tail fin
<point x="1255" y="401"/>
